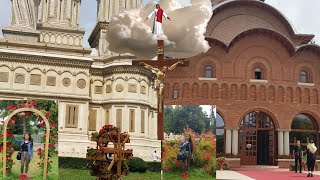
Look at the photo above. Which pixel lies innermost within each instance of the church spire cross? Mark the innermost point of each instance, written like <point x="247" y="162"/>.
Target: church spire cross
<point x="160" y="68"/>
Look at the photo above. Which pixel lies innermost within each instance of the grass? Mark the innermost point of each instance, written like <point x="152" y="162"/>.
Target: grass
<point x="34" y="171"/>
<point x="194" y="174"/>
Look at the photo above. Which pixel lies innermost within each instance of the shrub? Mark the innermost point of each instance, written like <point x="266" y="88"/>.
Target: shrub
<point x="154" y="166"/>
<point x="137" y="165"/>
<point x="73" y="163"/>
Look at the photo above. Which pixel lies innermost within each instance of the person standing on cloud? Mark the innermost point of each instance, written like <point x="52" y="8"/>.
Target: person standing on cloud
<point x="157" y="24"/>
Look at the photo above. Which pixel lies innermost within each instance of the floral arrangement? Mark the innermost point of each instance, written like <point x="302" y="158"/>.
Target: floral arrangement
<point x="109" y="131"/>
<point x="95" y="152"/>
<point x="31" y="116"/>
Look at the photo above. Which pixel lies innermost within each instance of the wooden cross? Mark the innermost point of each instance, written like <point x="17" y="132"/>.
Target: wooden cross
<point x="161" y="66"/>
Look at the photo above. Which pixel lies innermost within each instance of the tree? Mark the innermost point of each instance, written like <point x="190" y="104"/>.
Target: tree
<point x="181" y="117"/>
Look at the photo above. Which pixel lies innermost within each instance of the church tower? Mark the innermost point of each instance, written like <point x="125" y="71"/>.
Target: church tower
<point x="59" y="22"/>
<point x="105" y="10"/>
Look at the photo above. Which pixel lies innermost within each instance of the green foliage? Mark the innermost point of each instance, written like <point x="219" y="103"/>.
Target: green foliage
<point x="177" y="119"/>
<point x="137" y="165"/>
<point x="154" y="166"/>
<point x="74" y="163"/>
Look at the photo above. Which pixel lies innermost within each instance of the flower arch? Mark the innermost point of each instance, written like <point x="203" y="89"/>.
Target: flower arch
<point x="26" y="109"/>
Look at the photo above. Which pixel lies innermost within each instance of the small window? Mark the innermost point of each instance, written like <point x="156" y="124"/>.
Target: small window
<point x="304" y="77"/>
<point x="132" y="120"/>
<point x="257" y="73"/>
<point x="175" y="94"/>
<point x="208" y="72"/>
<point x="71" y="116"/>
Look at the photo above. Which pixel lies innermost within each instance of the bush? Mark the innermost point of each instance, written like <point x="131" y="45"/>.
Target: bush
<point x="154" y="166"/>
<point x="137" y="165"/>
<point x="73" y="163"/>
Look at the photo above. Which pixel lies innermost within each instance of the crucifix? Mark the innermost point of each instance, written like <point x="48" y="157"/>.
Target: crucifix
<point x="160" y="68"/>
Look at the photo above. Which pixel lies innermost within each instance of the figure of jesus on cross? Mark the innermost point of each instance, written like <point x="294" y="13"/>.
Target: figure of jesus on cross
<point x="160" y="68"/>
<point x="157" y="23"/>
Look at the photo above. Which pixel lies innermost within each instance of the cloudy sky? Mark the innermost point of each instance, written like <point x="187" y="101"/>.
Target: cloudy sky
<point x="301" y="13"/>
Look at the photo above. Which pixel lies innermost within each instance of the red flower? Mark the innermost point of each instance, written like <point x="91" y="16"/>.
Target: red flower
<point x="185" y="175"/>
<point x="42" y="124"/>
<point x="47" y="114"/>
<point x="175" y="160"/>
<point x="33" y="103"/>
<point x="39" y="153"/>
<point x="38" y="163"/>
<point x="102" y="131"/>
<point x="88" y="147"/>
<point x="102" y="149"/>
<point x="51" y="145"/>
<point x="23" y="105"/>
<point x="55" y="137"/>
<point x="56" y="152"/>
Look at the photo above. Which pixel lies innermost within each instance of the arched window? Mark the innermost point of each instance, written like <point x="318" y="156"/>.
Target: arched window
<point x="208" y="72"/>
<point x="304" y="128"/>
<point x="304" y="77"/>
<point x="257" y="73"/>
<point x="220" y="132"/>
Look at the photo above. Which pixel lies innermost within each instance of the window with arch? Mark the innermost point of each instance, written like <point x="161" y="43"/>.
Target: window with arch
<point x="220" y="132"/>
<point x="208" y="72"/>
<point x="304" y="77"/>
<point x="257" y="73"/>
<point x="304" y="128"/>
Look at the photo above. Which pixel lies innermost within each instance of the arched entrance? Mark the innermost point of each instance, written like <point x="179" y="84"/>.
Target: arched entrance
<point x="257" y="139"/>
<point x="220" y="134"/>
<point x="46" y="143"/>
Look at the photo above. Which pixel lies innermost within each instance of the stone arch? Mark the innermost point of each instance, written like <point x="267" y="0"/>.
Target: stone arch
<point x="311" y="114"/>
<point x="46" y="143"/>
<point x="269" y="113"/>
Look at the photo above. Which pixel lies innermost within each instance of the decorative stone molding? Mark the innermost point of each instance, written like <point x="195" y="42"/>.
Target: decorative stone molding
<point x="81" y="83"/>
<point x="59" y="38"/>
<point x="66" y="82"/>
<point x="143" y="90"/>
<point x="119" y="87"/>
<point x="19" y="78"/>
<point x="98" y="90"/>
<point x="35" y="79"/>
<point x="125" y="69"/>
<point x="4" y="76"/>
<point x="132" y="88"/>
<point x="258" y="81"/>
<point x="51" y="80"/>
<point x="108" y="88"/>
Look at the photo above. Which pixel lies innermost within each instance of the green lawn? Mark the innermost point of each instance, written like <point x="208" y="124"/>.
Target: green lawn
<point x="34" y="171"/>
<point x="65" y="174"/>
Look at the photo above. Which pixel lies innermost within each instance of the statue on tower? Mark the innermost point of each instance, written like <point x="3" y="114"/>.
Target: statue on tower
<point x="23" y="14"/>
<point x="157" y="22"/>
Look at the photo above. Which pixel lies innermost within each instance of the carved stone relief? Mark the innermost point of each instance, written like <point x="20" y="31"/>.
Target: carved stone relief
<point x="66" y="82"/>
<point x="143" y="89"/>
<point x="4" y="76"/>
<point x="35" y="79"/>
<point x="119" y="88"/>
<point x="51" y="81"/>
<point x="108" y="88"/>
<point x="98" y="89"/>
<point x="132" y="88"/>
<point x="19" y="78"/>
<point x="81" y="83"/>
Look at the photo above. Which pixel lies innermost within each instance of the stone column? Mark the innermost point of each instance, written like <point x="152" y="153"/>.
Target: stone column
<point x="235" y="142"/>
<point x="228" y="141"/>
<point x="286" y="143"/>
<point x="280" y="142"/>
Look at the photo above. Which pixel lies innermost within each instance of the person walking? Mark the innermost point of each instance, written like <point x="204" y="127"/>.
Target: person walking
<point x="311" y="157"/>
<point x="26" y="151"/>
<point x="298" y="154"/>
<point x="154" y="156"/>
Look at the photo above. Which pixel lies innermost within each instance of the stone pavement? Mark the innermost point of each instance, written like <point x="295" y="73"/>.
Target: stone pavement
<point x="232" y="175"/>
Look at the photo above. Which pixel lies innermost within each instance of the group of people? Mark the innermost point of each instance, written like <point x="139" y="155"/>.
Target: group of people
<point x="311" y="151"/>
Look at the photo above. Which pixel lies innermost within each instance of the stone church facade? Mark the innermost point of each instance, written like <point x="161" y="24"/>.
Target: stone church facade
<point x="260" y="73"/>
<point x="42" y="57"/>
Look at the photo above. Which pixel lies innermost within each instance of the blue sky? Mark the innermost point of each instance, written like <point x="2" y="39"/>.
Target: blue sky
<point x="301" y="13"/>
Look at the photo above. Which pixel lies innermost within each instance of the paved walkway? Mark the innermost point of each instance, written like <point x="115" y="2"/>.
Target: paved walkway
<point x="263" y="175"/>
<point x="225" y="175"/>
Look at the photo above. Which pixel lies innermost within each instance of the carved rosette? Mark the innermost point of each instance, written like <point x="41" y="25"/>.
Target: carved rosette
<point x="19" y="78"/>
<point x="81" y="83"/>
<point x="66" y="82"/>
<point x="108" y="88"/>
<point x="51" y="80"/>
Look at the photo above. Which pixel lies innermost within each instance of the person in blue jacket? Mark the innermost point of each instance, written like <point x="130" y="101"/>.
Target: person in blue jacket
<point x="187" y="147"/>
<point x="26" y="150"/>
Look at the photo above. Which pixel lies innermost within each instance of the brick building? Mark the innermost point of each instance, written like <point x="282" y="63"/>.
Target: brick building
<point x="263" y="76"/>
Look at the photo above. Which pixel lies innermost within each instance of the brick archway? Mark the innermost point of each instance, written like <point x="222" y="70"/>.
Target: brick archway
<point x="46" y="143"/>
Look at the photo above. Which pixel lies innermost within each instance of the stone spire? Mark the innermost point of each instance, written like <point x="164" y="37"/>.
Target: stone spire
<point x="23" y="21"/>
<point x="105" y="10"/>
<point x="59" y="22"/>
